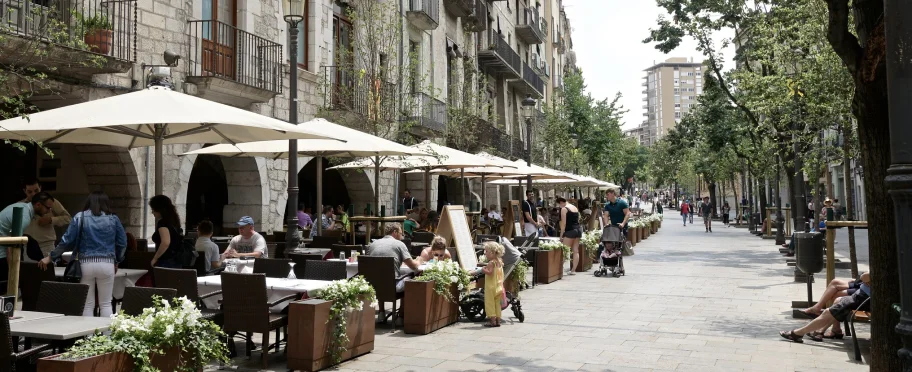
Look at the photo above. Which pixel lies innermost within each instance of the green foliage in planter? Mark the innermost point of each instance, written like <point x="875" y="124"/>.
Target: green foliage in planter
<point x="178" y="325"/>
<point x="94" y="22"/>
<point x="347" y="296"/>
<point x="443" y="274"/>
<point x="552" y="245"/>
<point x="590" y="242"/>
<point x="519" y="274"/>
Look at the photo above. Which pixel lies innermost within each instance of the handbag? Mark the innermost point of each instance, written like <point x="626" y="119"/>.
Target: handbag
<point x="73" y="271"/>
<point x="628" y="249"/>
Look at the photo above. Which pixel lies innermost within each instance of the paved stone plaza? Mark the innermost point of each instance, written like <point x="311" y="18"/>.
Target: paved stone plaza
<point x="691" y="301"/>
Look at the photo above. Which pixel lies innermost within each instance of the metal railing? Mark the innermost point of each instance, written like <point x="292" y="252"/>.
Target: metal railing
<point x="529" y="17"/>
<point x="494" y="138"/>
<point x="220" y="50"/>
<point x="427" y="112"/>
<point x="510" y="58"/>
<point x="370" y="96"/>
<point x="459" y="8"/>
<point x="101" y="27"/>
<point x="428" y="7"/>
<point x="479" y="18"/>
<point x="531" y="77"/>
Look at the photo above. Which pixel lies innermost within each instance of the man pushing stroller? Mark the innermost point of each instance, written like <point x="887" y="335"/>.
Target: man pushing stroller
<point x="616" y="214"/>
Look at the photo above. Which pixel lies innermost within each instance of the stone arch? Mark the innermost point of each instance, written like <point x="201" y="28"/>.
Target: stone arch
<point x="246" y="180"/>
<point x="358" y="185"/>
<point x="112" y="170"/>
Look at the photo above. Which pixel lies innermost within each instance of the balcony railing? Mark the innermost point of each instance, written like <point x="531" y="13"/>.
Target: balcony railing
<point x="369" y="96"/>
<point x="424" y="14"/>
<point x="497" y="140"/>
<point x="425" y="112"/>
<point x="220" y="50"/>
<point x="528" y="28"/>
<point x="478" y="20"/>
<point x="459" y="8"/>
<point x="530" y="83"/>
<point x="102" y="27"/>
<point x="499" y="57"/>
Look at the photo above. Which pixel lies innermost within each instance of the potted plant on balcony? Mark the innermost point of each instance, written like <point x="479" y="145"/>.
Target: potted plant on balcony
<point x="549" y="261"/>
<point x="336" y="326"/>
<point x="431" y="299"/>
<point x="169" y="337"/>
<point x="99" y="33"/>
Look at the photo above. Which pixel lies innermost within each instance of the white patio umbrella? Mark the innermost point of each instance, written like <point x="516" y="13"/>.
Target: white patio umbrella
<point x="442" y="157"/>
<point x="151" y="117"/>
<point x="357" y="144"/>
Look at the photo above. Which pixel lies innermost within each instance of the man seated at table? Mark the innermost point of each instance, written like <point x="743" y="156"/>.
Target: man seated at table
<point x="391" y="245"/>
<point x="204" y="244"/>
<point x="492" y="214"/>
<point x="249" y="243"/>
<point x="437" y="251"/>
<point x="411" y="224"/>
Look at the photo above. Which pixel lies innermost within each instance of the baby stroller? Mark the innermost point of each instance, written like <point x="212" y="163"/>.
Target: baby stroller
<point x="611" y="258"/>
<point x="472" y="304"/>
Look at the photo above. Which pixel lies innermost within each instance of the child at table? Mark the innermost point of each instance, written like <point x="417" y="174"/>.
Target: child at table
<point x="494" y="278"/>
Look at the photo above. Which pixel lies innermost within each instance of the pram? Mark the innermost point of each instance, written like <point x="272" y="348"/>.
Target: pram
<point x="611" y="258"/>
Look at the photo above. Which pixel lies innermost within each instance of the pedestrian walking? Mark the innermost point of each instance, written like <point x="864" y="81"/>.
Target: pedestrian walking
<point x="685" y="209"/>
<point x="725" y="210"/>
<point x="706" y="211"/>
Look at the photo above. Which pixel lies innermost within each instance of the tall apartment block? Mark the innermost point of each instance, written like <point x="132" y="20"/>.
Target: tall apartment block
<point x="670" y="90"/>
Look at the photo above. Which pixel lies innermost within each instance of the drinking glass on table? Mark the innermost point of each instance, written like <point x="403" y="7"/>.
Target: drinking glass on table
<point x="291" y="274"/>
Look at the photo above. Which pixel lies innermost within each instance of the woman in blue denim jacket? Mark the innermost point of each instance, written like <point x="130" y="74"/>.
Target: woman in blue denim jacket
<point x="99" y="238"/>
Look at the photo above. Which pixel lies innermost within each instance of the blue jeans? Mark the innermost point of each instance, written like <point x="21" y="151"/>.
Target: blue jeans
<point x="685" y="219"/>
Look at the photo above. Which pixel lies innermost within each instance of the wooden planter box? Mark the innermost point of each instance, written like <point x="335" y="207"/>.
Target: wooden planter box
<point x="425" y="310"/>
<point x="585" y="261"/>
<point x="632" y="236"/>
<point x="110" y="362"/>
<point x="310" y="334"/>
<point x="549" y="266"/>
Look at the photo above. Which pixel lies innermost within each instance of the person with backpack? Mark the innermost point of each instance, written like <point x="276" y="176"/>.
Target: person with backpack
<point x="249" y="243"/>
<point x="167" y="236"/>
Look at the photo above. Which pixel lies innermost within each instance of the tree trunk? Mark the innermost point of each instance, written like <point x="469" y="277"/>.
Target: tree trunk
<point x="712" y="198"/>
<point x="763" y="202"/>
<point x="735" y="194"/>
<point x="849" y="200"/>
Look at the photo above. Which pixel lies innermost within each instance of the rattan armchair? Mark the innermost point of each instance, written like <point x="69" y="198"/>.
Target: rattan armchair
<point x="324" y="242"/>
<point x="246" y="306"/>
<point x="380" y="272"/>
<point x="10" y="358"/>
<point x="62" y="298"/>
<point x="272" y="267"/>
<point x="422" y="237"/>
<point x="347" y="249"/>
<point x="184" y="281"/>
<point x="137" y="299"/>
<point x="325" y="270"/>
<point x="300" y="261"/>
<point x="30" y="278"/>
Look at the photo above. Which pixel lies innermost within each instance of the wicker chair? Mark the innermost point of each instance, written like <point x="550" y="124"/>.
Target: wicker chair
<point x="422" y="237"/>
<point x="246" y="306"/>
<point x="481" y="238"/>
<point x="334" y="233"/>
<point x="62" y="298"/>
<point x="272" y="267"/>
<point x="381" y="274"/>
<point x="300" y="261"/>
<point x="10" y="359"/>
<point x="30" y="278"/>
<point x="339" y="248"/>
<point x="184" y="281"/>
<point x="325" y="270"/>
<point x="140" y="260"/>
<point x="324" y="242"/>
<point x="136" y="299"/>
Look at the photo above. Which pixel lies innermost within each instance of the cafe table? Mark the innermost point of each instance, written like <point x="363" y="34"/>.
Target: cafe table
<point x="276" y="288"/>
<point x="25" y="316"/>
<point x="59" y="328"/>
<point x="352" y="268"/>
<point x="122" y="278"/>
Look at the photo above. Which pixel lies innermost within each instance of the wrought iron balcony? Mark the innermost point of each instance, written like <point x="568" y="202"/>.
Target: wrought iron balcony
<point x="77" y="38"/>
<point x="478" y="20"/>
<point x="528" y="26"/>
<point x="424" y="14"/>
<point x="369" y="96"/>
<point x="500" y="59"/>
<point x="531" y="82"/>
<point x="496" y="140"/>
<point x="459" y="8"/>
<point x="233" y="66"/>
<point x="426" y="116"/>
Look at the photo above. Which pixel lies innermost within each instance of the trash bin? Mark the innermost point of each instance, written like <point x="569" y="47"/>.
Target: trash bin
<point x="809" y="252"/>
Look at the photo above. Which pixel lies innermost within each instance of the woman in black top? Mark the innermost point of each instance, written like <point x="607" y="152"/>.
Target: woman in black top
<point x="571" y="231"/>
<point x="167" y="236"/>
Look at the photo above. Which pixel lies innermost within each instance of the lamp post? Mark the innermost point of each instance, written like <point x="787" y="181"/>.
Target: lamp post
<point x="780" y="221"/>
<point x="899" y="34"/>
<point x="294" y="14"/>
<point x="528" y="107"/>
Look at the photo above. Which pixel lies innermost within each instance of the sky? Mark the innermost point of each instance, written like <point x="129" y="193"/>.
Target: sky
<point x="608" y="39"/>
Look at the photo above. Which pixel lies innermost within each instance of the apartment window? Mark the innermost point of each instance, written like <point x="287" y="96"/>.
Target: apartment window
<point x="676" y="68"/>
<point x="697" y="68"/>
<point x="677" y="74"/>
<point x="677" y="99"/>
<point x="677" y="105"/>
<point x="699" y="90"/>
<point x="414" y="65"/>
<point x="677" y="114"/>
<point x="677" y="82"/>
<point x="677" y="90"/>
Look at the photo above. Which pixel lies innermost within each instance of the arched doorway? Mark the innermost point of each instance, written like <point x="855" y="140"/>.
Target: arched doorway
<point x="335" y="192"/>
<point x="207" y="193"/>
<point x="19" y="166"/>
<point x="442" y="195"/>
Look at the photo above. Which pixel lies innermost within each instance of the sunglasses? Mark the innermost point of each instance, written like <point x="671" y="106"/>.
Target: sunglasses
<point x="439" y="254"/>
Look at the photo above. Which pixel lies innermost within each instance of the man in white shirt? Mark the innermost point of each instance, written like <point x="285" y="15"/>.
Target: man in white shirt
<point x="42" y="226"/>
<point x="249" y="243"/>
<point x="493" y="214"/>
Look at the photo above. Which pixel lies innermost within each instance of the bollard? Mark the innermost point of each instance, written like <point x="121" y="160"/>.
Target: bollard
<point x="14" y="255"/>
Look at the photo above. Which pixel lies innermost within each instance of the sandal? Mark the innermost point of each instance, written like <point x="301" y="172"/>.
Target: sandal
<point x="491" y="324"/>
<point x="833" y="335"/>
<point x="791" y="336"/>
<point x="816" y="336"/>
<point x="809" y="314"/>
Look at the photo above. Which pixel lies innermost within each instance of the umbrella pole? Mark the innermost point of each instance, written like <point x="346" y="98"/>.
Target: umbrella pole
<point x="427" y="188"/>
<point x="462" y="184"/>
<point x="376" y="186"/>
<point x="483" y="193"/>
<point x="159" y="144"/>
<point x="320" y="192"/>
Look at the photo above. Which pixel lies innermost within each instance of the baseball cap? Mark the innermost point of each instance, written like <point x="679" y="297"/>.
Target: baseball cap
<point x="244" y="221"/>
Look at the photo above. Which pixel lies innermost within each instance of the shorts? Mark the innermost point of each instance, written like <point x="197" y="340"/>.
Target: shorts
<point x="852" y="289"/>
<point x="574" y="233"/>
<point x="843" y="308"/>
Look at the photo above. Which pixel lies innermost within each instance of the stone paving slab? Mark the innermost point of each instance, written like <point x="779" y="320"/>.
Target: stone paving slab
<point x="691" y="301"/>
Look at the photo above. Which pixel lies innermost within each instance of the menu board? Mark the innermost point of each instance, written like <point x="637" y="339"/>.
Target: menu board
<point x="454" y="228"/>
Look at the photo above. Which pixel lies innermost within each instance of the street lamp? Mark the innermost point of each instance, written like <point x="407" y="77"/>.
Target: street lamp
<point x="528" y="108"/>
<point x="780" y="221"/>
<point x="294" y="14"/>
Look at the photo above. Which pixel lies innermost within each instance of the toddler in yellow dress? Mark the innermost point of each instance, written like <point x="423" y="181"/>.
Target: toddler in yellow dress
<point x="494" y="278"/>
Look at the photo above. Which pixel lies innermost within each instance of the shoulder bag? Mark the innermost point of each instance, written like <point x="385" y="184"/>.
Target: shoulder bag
<point x="73" y="271"/>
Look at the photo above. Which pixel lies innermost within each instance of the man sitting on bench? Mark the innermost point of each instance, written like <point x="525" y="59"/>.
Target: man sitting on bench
<point x="837" y="288"/>
<point x="839" y="312"/>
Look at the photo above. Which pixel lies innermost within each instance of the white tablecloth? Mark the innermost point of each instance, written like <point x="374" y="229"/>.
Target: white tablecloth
<point x="243" y="266"/>
<point x="122" y="279"/>
<point x="352" y="268"/>
<point x="276" y="288"/>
